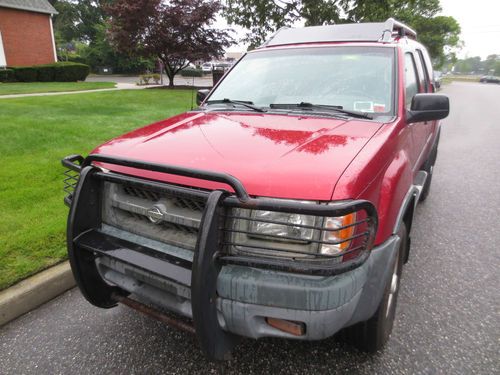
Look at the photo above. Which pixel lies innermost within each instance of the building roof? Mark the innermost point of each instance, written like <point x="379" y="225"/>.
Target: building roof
<point x="39" y="6"/>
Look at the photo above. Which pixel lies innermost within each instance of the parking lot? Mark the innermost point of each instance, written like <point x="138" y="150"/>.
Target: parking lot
<point x="447" y="319"/>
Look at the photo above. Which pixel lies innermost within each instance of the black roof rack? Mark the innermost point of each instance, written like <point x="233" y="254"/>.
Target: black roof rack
<point x="352" y="32"/>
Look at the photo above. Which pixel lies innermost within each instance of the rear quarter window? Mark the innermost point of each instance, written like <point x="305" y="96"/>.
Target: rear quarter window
<point x="411" y="79"/>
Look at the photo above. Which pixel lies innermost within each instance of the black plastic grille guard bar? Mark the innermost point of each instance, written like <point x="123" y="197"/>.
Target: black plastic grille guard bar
<point x="242" y="199"/>
<point x="70" y="162"/>
<point x="174" y="170"/>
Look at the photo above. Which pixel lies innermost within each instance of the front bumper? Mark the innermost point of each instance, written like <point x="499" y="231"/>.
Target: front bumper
<point x="247" y="296"/>
<point x="223" y="293"/>
<point x="324" y="304"/>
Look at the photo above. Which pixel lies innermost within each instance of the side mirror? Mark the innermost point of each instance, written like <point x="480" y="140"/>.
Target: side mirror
<point x="201" y="95"/>
<point x="428" y="107"/>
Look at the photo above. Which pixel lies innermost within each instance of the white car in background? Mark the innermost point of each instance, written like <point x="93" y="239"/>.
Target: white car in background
<point x="207" y="67"/>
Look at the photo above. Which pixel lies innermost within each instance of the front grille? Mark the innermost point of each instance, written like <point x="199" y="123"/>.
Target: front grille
<point x="153" y="196"/>
<point x="153" y="214"/>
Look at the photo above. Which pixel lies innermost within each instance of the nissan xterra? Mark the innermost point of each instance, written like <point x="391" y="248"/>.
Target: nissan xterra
<point x="282" y="206"/>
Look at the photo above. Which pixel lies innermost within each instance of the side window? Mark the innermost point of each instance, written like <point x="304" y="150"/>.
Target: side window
<point x="411" y="80"/>
<point x="425" y="81"/>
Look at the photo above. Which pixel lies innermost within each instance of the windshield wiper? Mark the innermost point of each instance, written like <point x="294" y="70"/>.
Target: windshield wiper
<point x="335" y="108"/>
<point x="244" y="103"/>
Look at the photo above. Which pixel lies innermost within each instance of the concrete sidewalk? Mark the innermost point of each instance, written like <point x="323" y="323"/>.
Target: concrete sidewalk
<point x="205" y="81"/>
<point x="119" y="86"/>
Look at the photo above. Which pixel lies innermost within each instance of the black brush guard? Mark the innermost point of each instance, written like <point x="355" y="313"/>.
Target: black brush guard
<point x="85" y="243"/>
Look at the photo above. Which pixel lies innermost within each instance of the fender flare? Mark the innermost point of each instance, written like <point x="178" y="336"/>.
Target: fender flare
<point x="394" y="196"/>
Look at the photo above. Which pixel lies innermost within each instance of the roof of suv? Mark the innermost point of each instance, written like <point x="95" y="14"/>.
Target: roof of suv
<point x="384" y="32"/>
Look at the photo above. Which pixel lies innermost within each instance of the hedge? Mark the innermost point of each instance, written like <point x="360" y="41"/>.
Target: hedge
<point x="58" y="72"/>
<point x="192" y="73"/>
<point x="70" y="72"/>
<point x="46" y="73"/>
<point x="26" y="74"/>
<point x="7" y="75"/>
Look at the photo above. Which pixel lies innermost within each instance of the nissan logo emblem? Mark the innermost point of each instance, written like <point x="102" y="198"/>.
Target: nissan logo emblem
<point x="155" y="214"/>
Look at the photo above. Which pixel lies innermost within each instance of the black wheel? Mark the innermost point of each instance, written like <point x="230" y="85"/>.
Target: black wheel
<point x="371" y="335"/>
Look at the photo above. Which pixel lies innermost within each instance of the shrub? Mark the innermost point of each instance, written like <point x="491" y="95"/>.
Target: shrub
<point x="25" y="73"/>
<point x="46" y="73"/>
<point x="156" y="77"/>
<point x="145" y="78"/>
<point x="192" y="73"/>
<point x="70" y="72"/>
<point x="7" y="75"/>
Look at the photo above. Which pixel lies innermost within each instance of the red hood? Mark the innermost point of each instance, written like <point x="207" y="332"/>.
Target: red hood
<point x="272" y="155"/>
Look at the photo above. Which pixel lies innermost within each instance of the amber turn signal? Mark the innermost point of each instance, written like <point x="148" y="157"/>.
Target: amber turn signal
<point x="293" y="328"/>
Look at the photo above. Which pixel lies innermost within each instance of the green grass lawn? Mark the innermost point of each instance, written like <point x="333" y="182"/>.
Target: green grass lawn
<point x="458" y="78"/>
<point x="37" y="87"/>
<point x="36" y="133"/>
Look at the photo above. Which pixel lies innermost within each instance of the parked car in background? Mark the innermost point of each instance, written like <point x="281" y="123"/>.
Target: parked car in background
<point x="207" y="67"/>
<point x="223" y="66"/>
<point x="281" y="207"/>
<point x="437" y="79"/>
<point x="489" y="79"/>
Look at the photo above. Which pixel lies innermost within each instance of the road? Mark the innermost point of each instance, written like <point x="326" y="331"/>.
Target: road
<point x="447" y="319"/>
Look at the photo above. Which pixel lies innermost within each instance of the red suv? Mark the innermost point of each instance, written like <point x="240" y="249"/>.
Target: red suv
<point x="282" y="206"/>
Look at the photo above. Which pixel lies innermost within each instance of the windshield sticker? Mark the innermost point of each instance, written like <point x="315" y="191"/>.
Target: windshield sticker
<point x="363" y="106"/>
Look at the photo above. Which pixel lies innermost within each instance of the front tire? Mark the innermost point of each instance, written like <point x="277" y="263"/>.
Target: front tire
<point x="371" y="335"/>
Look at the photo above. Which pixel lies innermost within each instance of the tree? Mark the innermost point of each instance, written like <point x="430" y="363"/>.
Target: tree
<point x="81" y="33"/>
<point x="99" y="53"/>
<point x="263" y="17"/>
<point x="79" y="20"/>
<point x="175" y="32"/>
<point x="440" y="34"/>
<point x="492" y="64"/>
<point x="65" y="22"/>
<point x="474" y="65"/>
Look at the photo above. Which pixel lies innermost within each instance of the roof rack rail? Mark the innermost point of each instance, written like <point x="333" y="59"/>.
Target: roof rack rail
<point x="273" y="35"/>
<point x="354" y="32"/>
<point x="394" y="27"/>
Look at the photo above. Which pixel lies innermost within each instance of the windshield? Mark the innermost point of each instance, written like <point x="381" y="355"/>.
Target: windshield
<point x="352" y="78"/>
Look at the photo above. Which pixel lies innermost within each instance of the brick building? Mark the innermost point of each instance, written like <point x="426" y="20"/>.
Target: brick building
<point x="26" y="33"/>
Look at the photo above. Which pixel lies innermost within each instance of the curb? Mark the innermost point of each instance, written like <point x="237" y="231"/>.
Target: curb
<point x="35" y="291"/>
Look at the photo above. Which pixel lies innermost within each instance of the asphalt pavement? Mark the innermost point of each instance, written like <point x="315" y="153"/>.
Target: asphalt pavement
<point x="448" y="310"/>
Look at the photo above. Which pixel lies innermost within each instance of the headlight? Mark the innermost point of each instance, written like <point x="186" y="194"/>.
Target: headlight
<point x="280" y="224"/>
<point x="285" y="234"/>
<point x="338" y="229"/>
